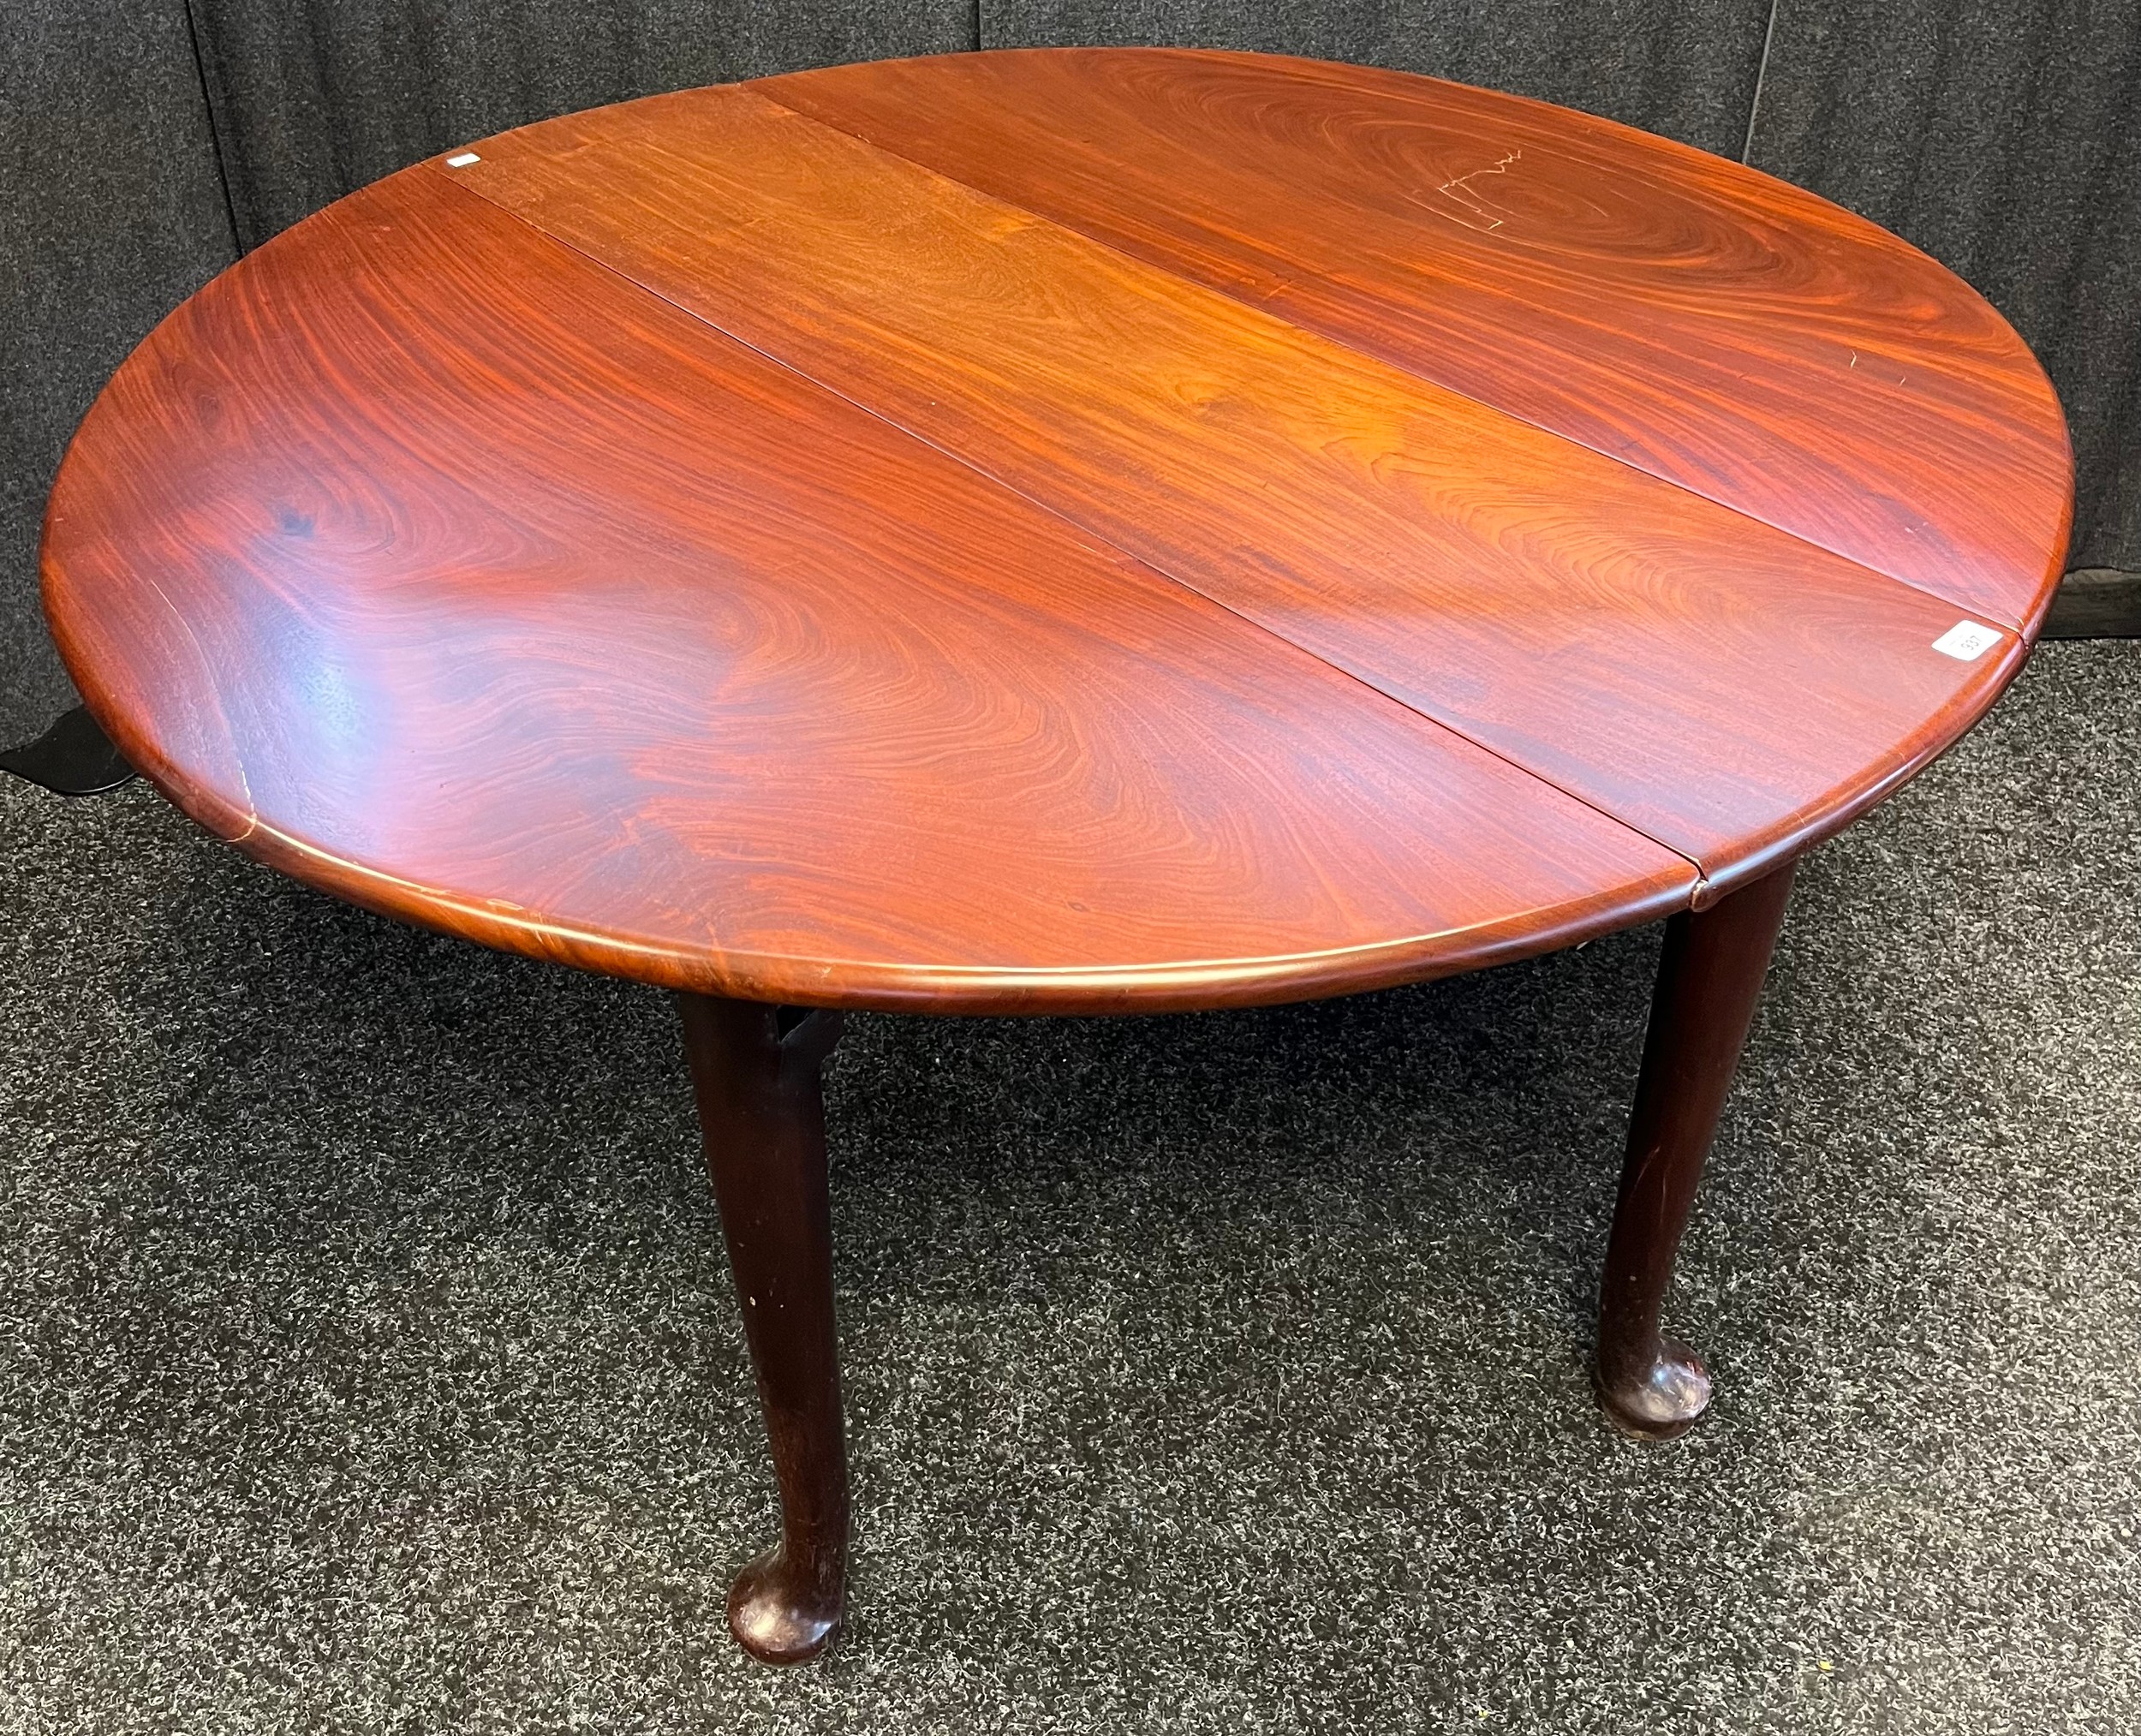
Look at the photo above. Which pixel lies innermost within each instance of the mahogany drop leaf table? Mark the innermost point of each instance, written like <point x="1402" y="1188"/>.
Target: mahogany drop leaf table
<point x="1064" y="532"/>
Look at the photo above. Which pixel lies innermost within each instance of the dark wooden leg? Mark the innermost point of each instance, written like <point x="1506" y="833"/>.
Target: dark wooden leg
<point x="1708" y="982"/>
<point x="754" y="1069"/>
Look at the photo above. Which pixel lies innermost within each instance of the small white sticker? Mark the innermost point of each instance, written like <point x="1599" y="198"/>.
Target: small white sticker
<point x="1967" y="641"/>
<point x="462" y="159"/>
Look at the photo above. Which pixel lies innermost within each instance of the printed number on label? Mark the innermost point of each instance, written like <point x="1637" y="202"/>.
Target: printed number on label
<point x="1967" y="641"/>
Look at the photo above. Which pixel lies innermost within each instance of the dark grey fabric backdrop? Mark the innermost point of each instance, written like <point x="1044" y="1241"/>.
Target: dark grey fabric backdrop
<point x="1999" y="135"/>
<point x="111" y="212"/>
<point x="1683" y="67"/>
<point x="314" y="99"/>
<point x="2003" y="137"/>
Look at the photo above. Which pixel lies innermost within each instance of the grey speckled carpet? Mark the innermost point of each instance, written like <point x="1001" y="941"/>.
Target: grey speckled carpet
<point x="367" y="1360"/>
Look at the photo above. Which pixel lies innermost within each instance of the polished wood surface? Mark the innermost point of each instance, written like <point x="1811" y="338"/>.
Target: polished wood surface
<point x="1698" y="320"/>
<point x="691" y="541"/>
<point x="1146" y="565"/>
<point x="446" y="571"/>
<point x="1724" y="687"/>
<point x="1710" y="982"/>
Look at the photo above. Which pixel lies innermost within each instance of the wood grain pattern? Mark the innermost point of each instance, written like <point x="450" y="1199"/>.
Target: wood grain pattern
<point x="692" y="541"/>
<point x="1700" y="320"/>
<point x="1724" y="687"/>
<point x="432" y="563"/>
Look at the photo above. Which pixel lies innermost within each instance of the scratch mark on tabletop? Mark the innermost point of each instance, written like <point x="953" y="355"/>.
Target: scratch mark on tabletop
<point x="215" y="701"/>
<point x="1460" y="190"/>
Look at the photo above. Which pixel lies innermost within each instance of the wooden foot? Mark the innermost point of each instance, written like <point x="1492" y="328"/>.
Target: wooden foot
<point x="755" y="1072"/>
<point x="1708" y="982"/>
<point x="75" y="757"/>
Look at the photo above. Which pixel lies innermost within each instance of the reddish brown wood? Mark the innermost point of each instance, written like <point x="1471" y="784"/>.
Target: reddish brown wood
<point x="447" y="571"/>
<point x="1248" y="544"/>
<point x="754" y="1070"/>
<point x="1677" y="312"/>
<point x="1724" y="687"/>
<point x="1710" y="979"/>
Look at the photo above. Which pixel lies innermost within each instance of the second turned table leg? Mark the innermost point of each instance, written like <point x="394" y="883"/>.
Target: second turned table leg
<point x="754" y="1070"/>
<point x="1708" y="982"/>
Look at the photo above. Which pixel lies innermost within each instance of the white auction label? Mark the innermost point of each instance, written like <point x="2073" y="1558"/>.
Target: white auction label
<point x="1966" y="640"/>
<point x="462" y="159"/>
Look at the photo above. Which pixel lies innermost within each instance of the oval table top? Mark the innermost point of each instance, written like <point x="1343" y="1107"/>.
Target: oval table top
<point x="1059" y="530"/>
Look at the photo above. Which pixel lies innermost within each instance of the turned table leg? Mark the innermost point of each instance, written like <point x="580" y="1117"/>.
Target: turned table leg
<point x="755" y="1072"/>
<point x="1708" y="981"/>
